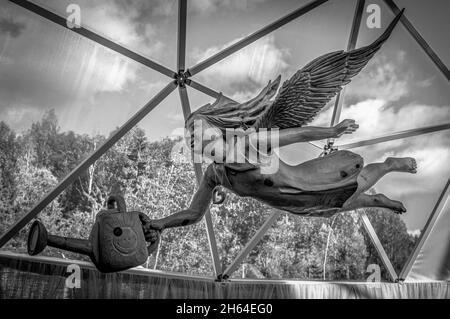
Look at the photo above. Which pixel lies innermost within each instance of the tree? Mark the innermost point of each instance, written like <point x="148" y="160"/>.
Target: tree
<point x="348" y="257"/>
<point x="9" y="151"/>
<point x="32" y="183"/>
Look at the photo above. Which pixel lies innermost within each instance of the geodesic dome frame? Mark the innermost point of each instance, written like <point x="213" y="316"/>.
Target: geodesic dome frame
<point x="182" y="78"/>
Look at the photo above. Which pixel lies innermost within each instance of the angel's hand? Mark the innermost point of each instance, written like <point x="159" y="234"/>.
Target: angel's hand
<point x="345" y="127"/>
<point x="152" y="228"/>
<point x="152" y="235"/>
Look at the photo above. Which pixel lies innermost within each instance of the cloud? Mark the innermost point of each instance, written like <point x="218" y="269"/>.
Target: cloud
<point x="246" y="71"/>
<point x="177" y="133"/>
<point x="377" y="117"/>
<point x="102" y="71"/>
<point x="415" y="233"/>
<point x="123" y="22"/>
<point x="142" y="10"/>
<point x="11" y="27"/>
<point x="382" y="79"/>
<point x="208" y="6"/>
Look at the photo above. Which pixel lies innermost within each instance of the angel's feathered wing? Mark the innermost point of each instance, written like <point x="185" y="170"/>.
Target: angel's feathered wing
<point x="225" y="113"/>
<point x="311" y="88"/>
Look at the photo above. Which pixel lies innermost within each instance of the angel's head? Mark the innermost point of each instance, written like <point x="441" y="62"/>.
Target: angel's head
<point x="201" y="134"/>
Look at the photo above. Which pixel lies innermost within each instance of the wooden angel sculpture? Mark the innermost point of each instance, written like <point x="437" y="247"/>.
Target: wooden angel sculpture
<point x="334" y="183"/>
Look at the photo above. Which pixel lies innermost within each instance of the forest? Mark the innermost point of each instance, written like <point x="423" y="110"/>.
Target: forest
<point x="157" y="182"/>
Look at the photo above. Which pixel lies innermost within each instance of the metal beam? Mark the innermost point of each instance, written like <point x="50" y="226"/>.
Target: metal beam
<point x="204" y="89"/>
<point x="317" y="144"/>
<point x="395" y="136"/>
<point x="353" y="38"/>
<point x="199" y="174"/>
<point x="94" y="37"/>
<point x="210" y="229"/>
<point x="23" y="221"/>
<point x="437" y="210"/>
<point x="181" y="43"/>
<point x="252" y="243"/>
<point x="253" y="37"/>
<point x="185" y="105"/>
<point x="420" y="40"/>
<point x="379" y="247"/>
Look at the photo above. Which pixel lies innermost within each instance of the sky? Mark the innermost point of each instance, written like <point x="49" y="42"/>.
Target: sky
<point x="94" y="90"/>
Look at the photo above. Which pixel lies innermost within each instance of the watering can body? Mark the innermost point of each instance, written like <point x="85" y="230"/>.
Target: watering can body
<point x="116" y="242"/>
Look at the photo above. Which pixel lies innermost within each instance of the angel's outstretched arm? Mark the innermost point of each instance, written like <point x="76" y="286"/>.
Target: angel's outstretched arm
<point x="307" y="133"/>
<point x="193" y="214"/>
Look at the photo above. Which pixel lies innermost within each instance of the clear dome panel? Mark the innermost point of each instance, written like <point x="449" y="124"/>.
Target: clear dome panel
<point x="400" y="88"/>
<point x="92" y="89"/>
<point x="302" y="248"/>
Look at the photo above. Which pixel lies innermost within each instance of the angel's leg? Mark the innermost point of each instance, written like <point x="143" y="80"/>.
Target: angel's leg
<point x="378" y="200"/>
<point x="306" y="134"/>
<point x="372" y="173"/>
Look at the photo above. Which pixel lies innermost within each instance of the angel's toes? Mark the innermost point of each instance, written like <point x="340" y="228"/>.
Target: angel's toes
<point x="398" y="207"/>
<point x="410" y="165"/>
<point x="406" y="164"/>
<point x="414" y="165"/>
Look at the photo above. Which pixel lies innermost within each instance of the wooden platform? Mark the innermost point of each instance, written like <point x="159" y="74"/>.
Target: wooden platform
<point x="22" y="276"/>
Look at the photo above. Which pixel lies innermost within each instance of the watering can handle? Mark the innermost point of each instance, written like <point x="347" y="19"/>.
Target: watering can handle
<point x="118" y="199"/>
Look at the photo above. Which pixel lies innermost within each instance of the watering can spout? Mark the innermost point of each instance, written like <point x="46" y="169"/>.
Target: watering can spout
<point x="38" y="239"/>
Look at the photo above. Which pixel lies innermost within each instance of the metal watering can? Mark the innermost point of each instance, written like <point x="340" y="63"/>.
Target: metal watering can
<point x="116" y="241"/>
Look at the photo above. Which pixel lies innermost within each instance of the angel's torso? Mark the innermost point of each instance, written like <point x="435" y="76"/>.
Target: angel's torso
<point x="319" y="187"/>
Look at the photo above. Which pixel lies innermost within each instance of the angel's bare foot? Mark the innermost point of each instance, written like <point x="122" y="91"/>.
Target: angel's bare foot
<point x="406" y="164"/>
<point x="398" y="207"/>
<point x="345" y="127"/>
<point x="378" y="200"/>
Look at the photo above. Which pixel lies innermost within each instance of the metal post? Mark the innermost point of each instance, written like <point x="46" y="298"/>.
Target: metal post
<point x="353" y="38"/>
<point x="181" y="45"/>
<point x="378" y="246"/>
<point x="23" y="221"/>
<point x="182" y="80"/>
<point x="182" y="11"/>
<point x="199" y="175"/>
